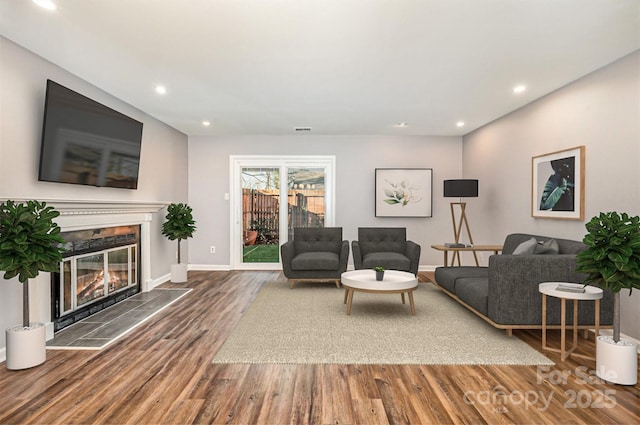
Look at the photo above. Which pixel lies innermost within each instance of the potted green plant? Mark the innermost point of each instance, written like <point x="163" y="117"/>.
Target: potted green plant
<point x="179" y="225"/>
<point x="379" y="272"/>
<point x="29" y="244"/>
<point x="612" y="262"/>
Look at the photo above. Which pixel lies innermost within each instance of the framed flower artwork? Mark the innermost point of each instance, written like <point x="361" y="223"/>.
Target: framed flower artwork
<point x="403" y="192"/>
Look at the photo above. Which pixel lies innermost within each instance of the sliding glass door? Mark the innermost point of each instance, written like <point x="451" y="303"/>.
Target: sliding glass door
<point x="272" y="196"/>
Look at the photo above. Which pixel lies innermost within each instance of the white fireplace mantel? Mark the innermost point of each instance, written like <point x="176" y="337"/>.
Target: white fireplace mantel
<point x="88" y="214"/>
<point x="95" y="206"/>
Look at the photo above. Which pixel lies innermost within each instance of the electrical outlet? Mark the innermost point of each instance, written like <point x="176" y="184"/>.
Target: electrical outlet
<point x="212" y="249"/>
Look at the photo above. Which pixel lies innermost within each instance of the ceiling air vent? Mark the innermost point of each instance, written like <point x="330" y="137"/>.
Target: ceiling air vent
<point x="303" y="129"/>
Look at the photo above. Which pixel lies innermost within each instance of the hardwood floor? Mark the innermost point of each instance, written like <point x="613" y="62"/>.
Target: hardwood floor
<point x="162" y="374"/>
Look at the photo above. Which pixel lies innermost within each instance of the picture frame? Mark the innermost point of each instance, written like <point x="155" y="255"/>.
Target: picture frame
<point x="557" y="184"/>
<point x="403" y="192"/>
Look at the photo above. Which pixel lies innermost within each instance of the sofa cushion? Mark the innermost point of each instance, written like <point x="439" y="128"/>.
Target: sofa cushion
<point x="447" y="276"/>
<point x="382" y="239"/>
<point x="526" y="248"/>
<point x="565" y="246"/>
<point x="315" y="261"/>
<point x="474" y="291"/>
<point x="549" y="247"/>
<point x="317" y="239"/>
<point x="388" y="260"/>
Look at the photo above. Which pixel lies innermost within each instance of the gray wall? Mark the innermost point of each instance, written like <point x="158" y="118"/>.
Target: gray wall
<point x="163" y="168"/>
<point x="357" y="157"/>
<point x="600" y="111"/>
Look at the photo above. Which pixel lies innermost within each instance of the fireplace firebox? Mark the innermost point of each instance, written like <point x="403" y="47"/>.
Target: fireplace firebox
<point x="100" y="267"/>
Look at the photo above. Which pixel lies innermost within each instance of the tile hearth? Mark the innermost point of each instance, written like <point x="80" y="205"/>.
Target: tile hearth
<point x="103" y="328"/>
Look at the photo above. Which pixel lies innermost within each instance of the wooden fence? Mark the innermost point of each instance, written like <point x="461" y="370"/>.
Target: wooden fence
<point x="260" y="211"/>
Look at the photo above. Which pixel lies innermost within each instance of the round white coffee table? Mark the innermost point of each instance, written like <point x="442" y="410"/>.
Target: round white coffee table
<point x="394" y="282"/>
<point x="551" y="289"/>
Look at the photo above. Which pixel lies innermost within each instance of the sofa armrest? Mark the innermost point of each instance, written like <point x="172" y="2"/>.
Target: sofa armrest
<point x="413" y="254"/>
<point x="344" y="257"/>
<point x="357" y="255"/>
<point x="287" y="252"/>
<point x="513" y="284"/>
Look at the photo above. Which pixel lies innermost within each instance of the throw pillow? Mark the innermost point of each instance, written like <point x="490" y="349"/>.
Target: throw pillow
<point x="525" y="248"/>
<point x="548" y="247"/>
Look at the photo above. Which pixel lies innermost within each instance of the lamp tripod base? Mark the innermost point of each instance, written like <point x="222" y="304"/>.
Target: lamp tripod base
<point x="457" y="231"/>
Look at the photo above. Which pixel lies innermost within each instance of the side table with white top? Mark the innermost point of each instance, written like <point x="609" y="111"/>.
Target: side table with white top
<point x="590" y="293"/>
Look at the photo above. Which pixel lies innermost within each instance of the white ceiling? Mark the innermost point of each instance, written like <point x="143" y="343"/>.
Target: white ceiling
<point x="337" y="66"/>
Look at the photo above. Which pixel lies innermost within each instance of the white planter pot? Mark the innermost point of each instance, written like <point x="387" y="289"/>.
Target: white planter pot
<point x="617" y="363"/>
<point x="178" y="273"/>
<point x="25" y="347"/>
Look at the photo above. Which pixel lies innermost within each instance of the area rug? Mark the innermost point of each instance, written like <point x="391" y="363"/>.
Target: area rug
<point x="103" y="328"/>
<point x="309" y="325"/>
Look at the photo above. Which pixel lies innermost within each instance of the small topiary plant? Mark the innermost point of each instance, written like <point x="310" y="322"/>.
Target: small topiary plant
<point x="179" y="223"/>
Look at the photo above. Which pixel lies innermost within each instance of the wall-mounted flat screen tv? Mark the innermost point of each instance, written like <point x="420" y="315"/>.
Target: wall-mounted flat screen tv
<point x="85" y="142"/>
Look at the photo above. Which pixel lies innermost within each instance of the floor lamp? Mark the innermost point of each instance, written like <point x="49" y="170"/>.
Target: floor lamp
<point x="461" y="188"/>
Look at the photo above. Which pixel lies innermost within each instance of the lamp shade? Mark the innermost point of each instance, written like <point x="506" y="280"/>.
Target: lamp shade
<point x="461" y="188"/>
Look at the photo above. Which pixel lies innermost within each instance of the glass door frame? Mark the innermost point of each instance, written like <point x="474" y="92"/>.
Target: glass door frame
<point x="283" y="162"/>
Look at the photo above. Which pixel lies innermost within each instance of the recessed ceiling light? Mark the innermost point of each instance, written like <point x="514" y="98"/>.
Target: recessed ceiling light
<point x="45" y="4"/>
<point x="206" y="123"/>
<point x="161" y="89"/>
<point x="402" y="124"/>
<point x="460" y="124"/>
<point x="520" y="88"/>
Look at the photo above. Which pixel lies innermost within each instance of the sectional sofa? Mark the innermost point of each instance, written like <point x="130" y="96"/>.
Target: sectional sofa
<point x="505" y="293"/>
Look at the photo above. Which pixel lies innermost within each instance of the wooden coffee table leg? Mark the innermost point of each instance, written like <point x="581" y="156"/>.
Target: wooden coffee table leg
<point x="346" y="294"/>
<point x="411" y="304"/>
<point x="349" y="302"/>
<point x="402" y="296"/>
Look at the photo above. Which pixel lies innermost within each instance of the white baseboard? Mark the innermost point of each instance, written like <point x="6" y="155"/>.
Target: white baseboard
<point x="3" y="354"/>
<point x="427" y="268"/>
<point x="194" y="267"/>
<point x="158" y="281"/>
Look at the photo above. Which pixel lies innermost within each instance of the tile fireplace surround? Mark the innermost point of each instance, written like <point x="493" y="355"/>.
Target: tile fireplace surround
<point x="82" y="215"/>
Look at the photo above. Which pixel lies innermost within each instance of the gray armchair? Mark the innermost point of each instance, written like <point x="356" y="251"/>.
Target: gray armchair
<point x="315" y="254"/>
<point x="386" y="247"/>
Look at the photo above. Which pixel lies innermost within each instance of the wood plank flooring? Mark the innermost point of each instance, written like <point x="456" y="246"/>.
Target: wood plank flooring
<point x="162" y="374"/>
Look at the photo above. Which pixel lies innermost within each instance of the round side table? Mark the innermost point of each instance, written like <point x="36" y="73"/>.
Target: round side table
<point x="551" y="289"/>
